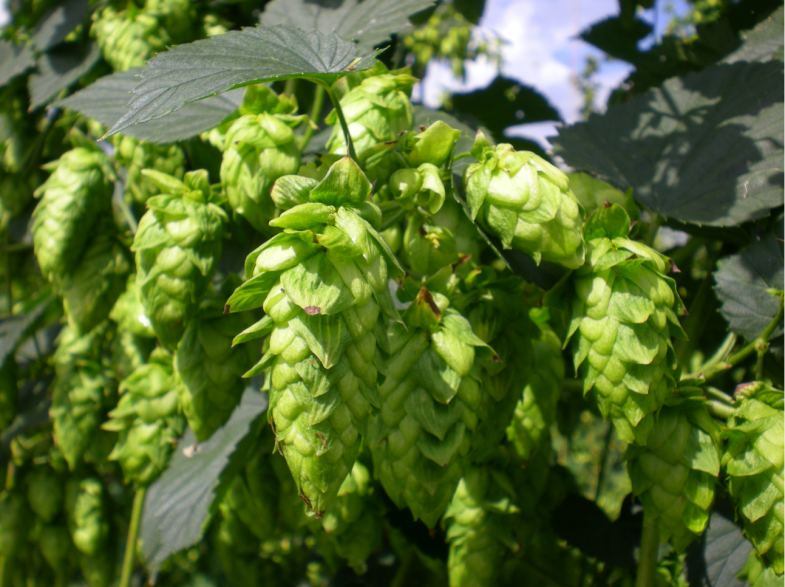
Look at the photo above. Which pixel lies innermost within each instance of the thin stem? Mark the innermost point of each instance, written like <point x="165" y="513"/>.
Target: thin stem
<point x="127" y="214"/>
<point x="316" y="114"/>
<point x="718" y="394"/>
<point x="719" y="410"/>
<point x="762" y="348"/>
<point x="290" y="87"/>
<point x="344" y="126"/>
<point x="647" y="565"/>
<point x="133" y="534"/>
<point x="403" y="571"/>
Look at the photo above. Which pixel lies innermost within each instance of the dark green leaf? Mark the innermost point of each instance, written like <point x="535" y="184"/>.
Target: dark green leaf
<point x="725" y="552"/>
<point x="56" y="24"/>
<point x="191" y="72"/>
<point x="618" y="37"/>
<point x="177" y="506"/>
<point x="743" y="284"/>
<point x="369" y="22"/>
<point x="105" y="101"/>
<point x="471" y="9"/>
<point x="60" y="69"/>
<point x="705" y="149"/>
<point x="505" y="103"/>
<point x="763" y="43"/>
<point x="12" y="330"/>
<point x="14" y="60"/>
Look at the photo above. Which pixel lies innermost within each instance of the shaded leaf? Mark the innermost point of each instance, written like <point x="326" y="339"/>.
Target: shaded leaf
<point x="60" y="69"/>
<point x="744" y="280"/>
<point x="725" y="552"/>
<point x="369" y="22"/>
<point x="705" y="149"/>
<point x="14" y="60"/>
<point x="763" y="43"/>
<point x="13" y="329"/>
<point x="471" y="9"/>
<point x="618" y="37"/>
<point x="177" y="507"/>
<point x="105" y="101"/>
<point x="191" y="72"/>
<point x="55" y="25"/>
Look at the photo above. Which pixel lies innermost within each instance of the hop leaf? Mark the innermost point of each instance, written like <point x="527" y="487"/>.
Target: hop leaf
<point x="753" y="462"/>
<point x="177" y="246"/>
<point x="526" y="202"/>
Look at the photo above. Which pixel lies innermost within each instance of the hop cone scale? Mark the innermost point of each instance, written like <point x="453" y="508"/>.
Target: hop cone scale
<point x="624" y="312"/>
<point x="127" y="40"/>
<point x="674" y="475"/>
<point x="323" y="285"/>
<point x="177" y="246"/>
<point x="422" y="434"/>
<point x="526" y="202"/>
<point x="753" y="462"/>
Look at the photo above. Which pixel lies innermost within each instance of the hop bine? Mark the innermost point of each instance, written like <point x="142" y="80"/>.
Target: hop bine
<point x="624" y="312"/>
<point x="753" y="462"/>
<point x="177" y="246"/>
<point x="421" y="436"/>
<point x="323" y="286"/>
<point x="526" y="202"/>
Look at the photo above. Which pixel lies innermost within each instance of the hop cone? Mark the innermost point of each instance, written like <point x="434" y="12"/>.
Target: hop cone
<point x="84" y="504"/>
<point x="9" y="392"/>
<point x="624" y="313"/>
<point x="675" y="473"/>
<point x="258" y="149"/>
<point x="757" y="574"/>
<point x="129" y="313"/>
<point x="451" y="217"/>
<point x="352" y="527"/>
<point x="753" y="461"/>
<point x="176" y="16"/>
<point x="98" y="280"/>
<point x="209" y="371"/>
<point x="136" y="155"/>
<point x="44" y="493"/>
<point x="127" y="40"/>
<point x="177" y="246"/>
<point x="147" y="420"/>
<point x="14" y="524"/>
<point x="323" y="285"/>
<point x="75" y="195"/>
<point x="376" y="111"/>
<point x="427" y="247"/>
<point x="420" y="436"/>
<point x="526" y="202"/>
<point x="54" y="542"/>
<point x="79" y="395"/>
<point x="478" y="529"/>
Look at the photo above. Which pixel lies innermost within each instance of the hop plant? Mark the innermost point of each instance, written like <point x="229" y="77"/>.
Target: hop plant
<point x="675" y="474"/>
<point x="86" y="509"/>
<point x="422" y="434"/>
<point x="128" y="38"/>
<point x="80" y="392"/>
<point x="9" y="391"/>
<point x="758" y="574"/>
<point x="14" y="520"/>
<point x="177" y="246"/>
<point x="479" y="521"/>
<point x="136" y="155"/>
<point x="323" y="286"/>
<point x="209" y="370"/>
<point x="16" y="190"/>
<point x="44" y="492"/>
<point x="98" y="280"/>
<point x="624" y="313"/>
<point x="526" y="202"/>
<point x="77" y="193"/>
<point x="129" y="313"/>
<point x="147" y="419"/>
<point x="177" y="17"/>
<point x="753" y="461"/>
<point x="258" y="149"/>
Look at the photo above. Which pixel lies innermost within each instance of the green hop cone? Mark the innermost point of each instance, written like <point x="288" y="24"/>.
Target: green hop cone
<point x="427" y="247"/>
<point x="86" y="511"/>
<point x="129" y="313"/>
<point x="128" y="39"/>
<point x="758" y="574"/>
<point x="258" y="149"/>
<point x="44" y="493"/>
<point x="209" y="370"/>
<point x="376" y="111"/>
<point x="624" y="312"/>
<point x="479" y="528"/>
<point x="77" y="193"/>
<point x="674" y="475"/>
<point x="98" y="280"/>
<point x="136" y="155"/>
<point x="526" y="202"/>
<point x="9" y="391"/>
<point x="422" y="434"/>
<point x="352" y="527"/>
<point x="323" y="286"/>
<point x="177" y="246"/>
<point x="468" y="240"/>
<point x="177" y="17"/>
<point x="54" y="542"/>
<point x="753" y="462"/>
<point x="79" y="395"/>
<point x="14" y="524"/>
<point x="147" y="419"/>
<point x="98" y="569"/>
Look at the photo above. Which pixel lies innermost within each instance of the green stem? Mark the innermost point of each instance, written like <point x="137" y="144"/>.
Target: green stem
<point x="290" y="87"/>
<point x="403" y="571"/>
<point x="316" y="114"/>
<point x="647" y="564"/>
<point x="719" y="410"/>
<point x="127" y="214"/>
<point x="133" y="534"/>
<point x="718" y="395"/>
<point x="762" y="348"/>
<point x="339" y="111"/>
